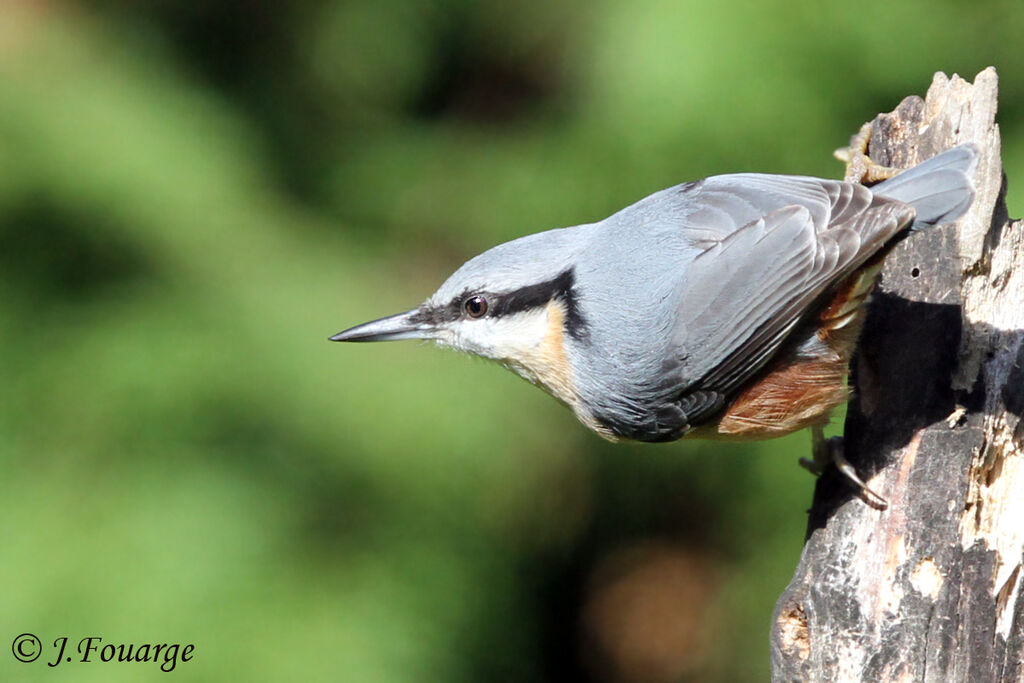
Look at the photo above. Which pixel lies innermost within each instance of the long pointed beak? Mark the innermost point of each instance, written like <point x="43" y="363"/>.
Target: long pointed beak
<point x="402" y="326"/>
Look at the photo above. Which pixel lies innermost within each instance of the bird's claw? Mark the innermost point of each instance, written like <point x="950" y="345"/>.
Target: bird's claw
<point x="830" y="451"/>
<point x="860" y="168"/>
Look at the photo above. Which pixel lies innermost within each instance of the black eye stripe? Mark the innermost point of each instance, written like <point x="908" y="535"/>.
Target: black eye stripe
<point x="499" y="304"/>
<point x="537" y="296"/>
<point x="530" y="297"/>
<point x="436" y="315"/>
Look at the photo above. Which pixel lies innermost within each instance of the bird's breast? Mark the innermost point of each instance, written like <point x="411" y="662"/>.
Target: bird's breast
<point x="547" y="365"/>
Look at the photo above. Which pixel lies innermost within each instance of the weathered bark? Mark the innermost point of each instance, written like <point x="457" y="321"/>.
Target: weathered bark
<point x="929" y="589"/>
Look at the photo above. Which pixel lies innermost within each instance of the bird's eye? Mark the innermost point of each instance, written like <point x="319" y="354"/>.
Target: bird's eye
<point x="475" y="306"/>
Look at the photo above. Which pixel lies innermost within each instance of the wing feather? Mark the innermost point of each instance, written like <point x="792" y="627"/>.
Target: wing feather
<point x="752" y="285"/>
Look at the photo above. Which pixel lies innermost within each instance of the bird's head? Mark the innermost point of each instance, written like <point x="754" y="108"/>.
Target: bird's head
<point x="516" y="303"/>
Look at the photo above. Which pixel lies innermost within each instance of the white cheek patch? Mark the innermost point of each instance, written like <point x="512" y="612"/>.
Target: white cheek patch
<point x="506" y="338"/>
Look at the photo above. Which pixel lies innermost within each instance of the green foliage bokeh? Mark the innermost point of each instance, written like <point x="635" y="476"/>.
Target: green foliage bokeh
<point x="193" y="196"/>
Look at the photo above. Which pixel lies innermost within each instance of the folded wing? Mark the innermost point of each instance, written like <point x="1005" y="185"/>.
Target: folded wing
<point x="753" y="284"/>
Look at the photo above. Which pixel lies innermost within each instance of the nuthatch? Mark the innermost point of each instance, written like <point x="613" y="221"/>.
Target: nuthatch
<point x="727" y="308"/>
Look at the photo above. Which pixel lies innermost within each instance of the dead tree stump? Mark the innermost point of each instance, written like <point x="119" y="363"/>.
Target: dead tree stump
<point x="929" y="589"/>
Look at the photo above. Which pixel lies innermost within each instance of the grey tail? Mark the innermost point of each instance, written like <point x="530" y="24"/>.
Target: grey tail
<point x="940" y="189"/>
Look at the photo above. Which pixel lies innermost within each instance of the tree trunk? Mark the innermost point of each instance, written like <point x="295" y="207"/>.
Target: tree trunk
<point x="930" y="588"/>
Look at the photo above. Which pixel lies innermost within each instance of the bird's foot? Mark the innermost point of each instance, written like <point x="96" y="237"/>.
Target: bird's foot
<point x="859" y="166"/>
<point x="830" y="451"/>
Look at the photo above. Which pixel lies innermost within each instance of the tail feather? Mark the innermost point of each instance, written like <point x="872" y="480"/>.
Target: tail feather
<point x="939" y="189"/>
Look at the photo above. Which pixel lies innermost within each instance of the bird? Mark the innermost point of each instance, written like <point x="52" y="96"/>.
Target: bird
<point x="723" y="308"/>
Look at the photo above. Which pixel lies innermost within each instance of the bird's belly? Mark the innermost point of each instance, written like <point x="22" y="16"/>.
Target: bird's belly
<point x="784" y="401"/>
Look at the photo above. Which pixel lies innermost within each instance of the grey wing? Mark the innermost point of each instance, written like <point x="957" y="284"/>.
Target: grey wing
<point x="715" y="207"/>
<point x="747" y="290"/>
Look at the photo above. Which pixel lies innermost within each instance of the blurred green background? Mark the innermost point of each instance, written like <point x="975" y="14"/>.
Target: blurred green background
<point x="195" y="195"/>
